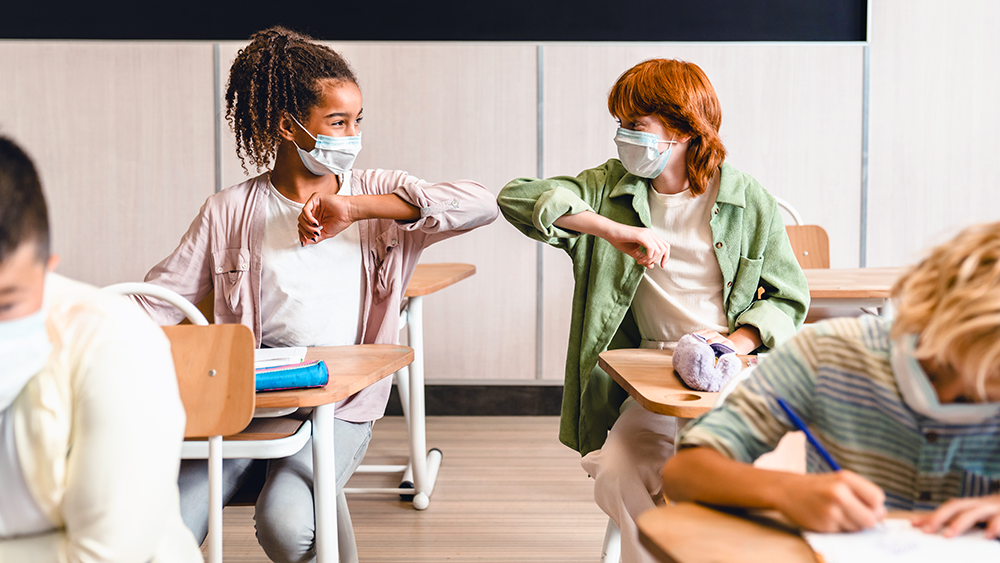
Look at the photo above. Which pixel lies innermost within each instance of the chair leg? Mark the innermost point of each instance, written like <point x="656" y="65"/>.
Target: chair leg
<point x="215" y="499"/>
<point x="612" y="550"/>
<point x="348" y="547"/>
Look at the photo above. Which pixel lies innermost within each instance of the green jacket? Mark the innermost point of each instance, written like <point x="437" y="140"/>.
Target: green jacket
<point x="751" y="245"/>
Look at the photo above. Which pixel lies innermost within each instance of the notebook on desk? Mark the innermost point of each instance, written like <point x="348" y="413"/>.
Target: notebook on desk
<point x="896" y="541"/>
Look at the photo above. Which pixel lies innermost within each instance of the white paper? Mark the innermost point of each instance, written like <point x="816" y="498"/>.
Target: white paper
<point x="271" y="357"/>
<point x="896" y="540"/>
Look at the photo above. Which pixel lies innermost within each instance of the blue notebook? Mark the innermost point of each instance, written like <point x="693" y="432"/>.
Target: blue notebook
<point x="294" y="376"/>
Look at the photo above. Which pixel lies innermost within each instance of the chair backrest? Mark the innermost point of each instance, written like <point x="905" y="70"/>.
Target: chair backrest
<point x="215" y="373"/>
<point x="138" y="288"/>
<point x="792" y="212"/>
<point x="810" y="244"/>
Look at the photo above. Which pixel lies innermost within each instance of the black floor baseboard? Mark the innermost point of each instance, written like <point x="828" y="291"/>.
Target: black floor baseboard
<point x="486" y="400"/>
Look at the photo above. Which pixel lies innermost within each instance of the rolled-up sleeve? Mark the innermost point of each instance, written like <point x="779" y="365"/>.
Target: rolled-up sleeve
<point x="446" y="208"/>
<point x="532" y="206"/>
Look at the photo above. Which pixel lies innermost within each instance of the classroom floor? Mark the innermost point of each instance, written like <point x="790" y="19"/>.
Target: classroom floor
<point x="507" y="491"/>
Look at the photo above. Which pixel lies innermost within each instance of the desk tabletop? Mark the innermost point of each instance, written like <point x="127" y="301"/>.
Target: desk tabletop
<point x="691" y="533"/>
<point x="430" y="278"/>
<point x="851" y="283"/>
<point x="352" y="368"/>
<point x="649" y="377"/>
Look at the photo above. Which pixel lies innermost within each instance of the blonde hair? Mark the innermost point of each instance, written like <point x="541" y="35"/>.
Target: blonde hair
<point x="952" y="300"/>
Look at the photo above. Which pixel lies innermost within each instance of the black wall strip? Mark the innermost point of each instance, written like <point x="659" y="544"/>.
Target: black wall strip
<point x="486" y="400"/>
<point x="443" y="20"/>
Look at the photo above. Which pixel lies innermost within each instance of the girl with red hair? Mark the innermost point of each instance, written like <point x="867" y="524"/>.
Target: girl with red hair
<point x="671" y="247"/>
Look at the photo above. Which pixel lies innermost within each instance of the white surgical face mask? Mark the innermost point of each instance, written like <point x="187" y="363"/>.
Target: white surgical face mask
<point x="332" y="155"/>
<point x="24" y="349"/>
<point x="920" y="395"/>
<point x="640" y="152"/>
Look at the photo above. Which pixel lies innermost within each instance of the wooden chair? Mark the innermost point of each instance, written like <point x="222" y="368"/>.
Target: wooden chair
<point x="215" y="376"/>
<point x="810" y="244"/>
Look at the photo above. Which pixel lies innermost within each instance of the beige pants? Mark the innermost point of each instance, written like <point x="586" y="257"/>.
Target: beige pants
<point x="626" y="472"/>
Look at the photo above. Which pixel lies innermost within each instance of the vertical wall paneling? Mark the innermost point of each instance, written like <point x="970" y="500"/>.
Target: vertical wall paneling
<point x="540" y="247"/>
<point x="450" y="111"/>
<point x="934" y="124"/>
<point x="121" y="133"/>
<point x="791" y="119"/>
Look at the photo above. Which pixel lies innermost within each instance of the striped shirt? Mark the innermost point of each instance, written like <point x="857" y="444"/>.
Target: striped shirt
<point x="836" y="375"/>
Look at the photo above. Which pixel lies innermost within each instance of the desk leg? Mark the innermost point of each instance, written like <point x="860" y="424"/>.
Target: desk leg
<point x="425" y="464"/>
<point x="324" y="485"/>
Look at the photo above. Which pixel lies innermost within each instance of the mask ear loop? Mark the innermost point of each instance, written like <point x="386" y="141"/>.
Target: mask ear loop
<point x="303" y="127"/>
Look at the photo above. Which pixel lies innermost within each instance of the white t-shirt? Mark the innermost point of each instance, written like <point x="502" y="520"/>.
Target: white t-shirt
<point x="309" y="296"/>
<point x="686" y="295"/>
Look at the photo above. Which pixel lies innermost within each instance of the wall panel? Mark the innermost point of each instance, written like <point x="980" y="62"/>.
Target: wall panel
<point x="791" y="118"/>
<point x="934" y="124"/>
<point x="449" y="111"/>
<point x="122" y="135"/>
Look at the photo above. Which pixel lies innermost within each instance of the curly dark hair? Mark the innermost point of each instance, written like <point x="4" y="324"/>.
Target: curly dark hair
<point x="278" y="71"/>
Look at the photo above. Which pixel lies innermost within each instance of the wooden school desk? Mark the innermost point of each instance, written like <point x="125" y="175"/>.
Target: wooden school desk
<point x="352" y="368"/>
<point x="853" y="287"/>
<point x="691" y="533"/>
<point x="649" y="378"/>
<point x="422" y="469"/>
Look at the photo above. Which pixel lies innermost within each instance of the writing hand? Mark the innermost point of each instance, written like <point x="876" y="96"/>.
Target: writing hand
<point x="833" y="502"/>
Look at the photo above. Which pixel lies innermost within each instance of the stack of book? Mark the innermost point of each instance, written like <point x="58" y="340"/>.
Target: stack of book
<point x="279" y="369"/>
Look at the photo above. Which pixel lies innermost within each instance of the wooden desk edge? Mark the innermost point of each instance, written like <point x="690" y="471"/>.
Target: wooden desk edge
<point x="681" y="411"/>
<point x="438" y="285"/>
<point x="325" y="395"/>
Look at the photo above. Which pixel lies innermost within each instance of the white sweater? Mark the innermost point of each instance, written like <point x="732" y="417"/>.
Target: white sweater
<point x="98" y="434"/>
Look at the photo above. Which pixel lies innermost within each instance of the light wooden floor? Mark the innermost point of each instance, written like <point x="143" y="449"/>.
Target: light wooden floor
<point x="507" y="491"/>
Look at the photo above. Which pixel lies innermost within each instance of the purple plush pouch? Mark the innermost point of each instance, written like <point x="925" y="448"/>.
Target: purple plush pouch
<point x="704" y="366"/>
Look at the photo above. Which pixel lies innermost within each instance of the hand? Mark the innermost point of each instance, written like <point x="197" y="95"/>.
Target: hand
<point x="323" y="217"/>
<point x="640" y="243"/>
<point x="832" y="502"/>
<point x="715" y="338"/>
<point x="958" y="515"/>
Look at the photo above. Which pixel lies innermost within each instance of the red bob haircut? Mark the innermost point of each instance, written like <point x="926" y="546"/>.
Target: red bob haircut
<point x="681" y="96"/>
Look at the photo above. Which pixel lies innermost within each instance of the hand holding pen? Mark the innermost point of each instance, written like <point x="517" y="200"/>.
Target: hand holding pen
<point x="841" y="501"/>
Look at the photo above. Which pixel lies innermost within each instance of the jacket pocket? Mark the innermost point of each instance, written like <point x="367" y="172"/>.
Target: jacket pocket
<point x="386" y="244"/>
<point x="230" y="266"/>
<point x="746" y="283"/>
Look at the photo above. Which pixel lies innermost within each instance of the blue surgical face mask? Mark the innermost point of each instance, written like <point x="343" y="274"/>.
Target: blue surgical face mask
<point x="920" y="395"/>
<point x="640" y="152"/>
<point x="331" y="155"/>
<point x="24" y="350"/>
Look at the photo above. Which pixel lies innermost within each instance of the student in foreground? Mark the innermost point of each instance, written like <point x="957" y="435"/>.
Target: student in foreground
<point x="311" y="252"/>
<point x="88" y="448"/>
<point x="666" y="241"/>
<point x="909" y="411"/>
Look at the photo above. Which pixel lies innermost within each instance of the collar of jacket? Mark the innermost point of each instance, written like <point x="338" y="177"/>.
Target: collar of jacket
<point x="731" y="191"/>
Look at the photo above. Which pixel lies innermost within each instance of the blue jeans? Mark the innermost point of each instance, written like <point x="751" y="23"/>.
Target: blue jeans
<point x="283" y="515"/>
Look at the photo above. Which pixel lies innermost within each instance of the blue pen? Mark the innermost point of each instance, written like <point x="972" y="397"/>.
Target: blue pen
<point x="812" y="439"/>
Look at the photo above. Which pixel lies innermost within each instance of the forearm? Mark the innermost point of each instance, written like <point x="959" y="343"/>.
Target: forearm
<point x="701" y="474"/>
<point x="383" y="206"/>
<point x="746" y="339"/>
<point x="587" y="222"/>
